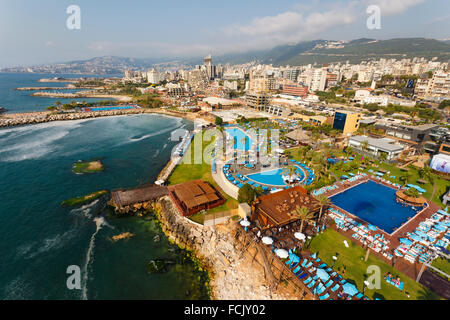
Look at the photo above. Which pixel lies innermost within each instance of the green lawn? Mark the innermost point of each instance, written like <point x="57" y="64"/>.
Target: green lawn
<point x="443" y="265"/>
<point x="187" y="172"/>
<point x="331" y="243"/>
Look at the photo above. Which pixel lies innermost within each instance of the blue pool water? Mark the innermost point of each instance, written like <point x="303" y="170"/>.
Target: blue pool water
<point x="272" y="177"/>
<point x="375" y="204"/>
<point x="238" y="136"/>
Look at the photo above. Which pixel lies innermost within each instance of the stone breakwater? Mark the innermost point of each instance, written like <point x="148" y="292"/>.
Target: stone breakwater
<point x="19" y="119"/>
<point x="10" y="120"/>
<point x="234" y="276"/>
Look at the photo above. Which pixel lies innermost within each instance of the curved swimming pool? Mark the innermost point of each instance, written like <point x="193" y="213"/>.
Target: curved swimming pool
<point x="273" y="177"/>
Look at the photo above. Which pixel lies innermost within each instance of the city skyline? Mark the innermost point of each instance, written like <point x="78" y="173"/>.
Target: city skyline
<point x="196" y="29"/>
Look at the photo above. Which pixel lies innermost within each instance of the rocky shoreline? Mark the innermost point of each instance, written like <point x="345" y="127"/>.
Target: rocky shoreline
<point x="233" y="274"/>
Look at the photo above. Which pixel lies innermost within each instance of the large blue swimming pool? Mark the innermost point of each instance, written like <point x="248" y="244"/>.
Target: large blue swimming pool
<point x="238" y="136"/>
<point x="374" y="203"/>
<point x="273" y="177"/>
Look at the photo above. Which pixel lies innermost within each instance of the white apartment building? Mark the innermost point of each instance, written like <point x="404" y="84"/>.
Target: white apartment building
<point x="318" y="80"/>
<point x="154" y="77"/>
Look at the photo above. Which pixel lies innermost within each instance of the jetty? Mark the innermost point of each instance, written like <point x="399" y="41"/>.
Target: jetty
<point x="132" y="200"/>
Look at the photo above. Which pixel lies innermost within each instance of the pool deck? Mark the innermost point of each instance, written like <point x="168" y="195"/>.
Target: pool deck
<point x="409" y="269"/>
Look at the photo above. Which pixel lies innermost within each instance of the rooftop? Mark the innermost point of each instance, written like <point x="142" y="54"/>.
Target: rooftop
<point x="381" y="143"/>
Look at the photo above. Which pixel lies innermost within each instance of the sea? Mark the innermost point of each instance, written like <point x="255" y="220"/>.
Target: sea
<point x="43" y="242"/>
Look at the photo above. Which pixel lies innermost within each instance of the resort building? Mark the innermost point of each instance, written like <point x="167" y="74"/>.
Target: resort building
<point x="315" y="120"/>
<point x="378" y="146"/>
<point x="195" y="196"/>
<point x="276" y="209"/>
<point x="414" y="134"/>
<point x="347" y="122"/>
<point x="295" y="90"/>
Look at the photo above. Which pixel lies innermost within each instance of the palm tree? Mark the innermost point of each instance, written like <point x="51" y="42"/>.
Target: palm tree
<point x="290" y="170"/>
<point x="324" y="201"/>
<point x="383" y="156"/>
<point x="406" y="176"/>
<point x="315" y="136"/>
<point x="365" y="145"/>
<point x="303" y="214"/>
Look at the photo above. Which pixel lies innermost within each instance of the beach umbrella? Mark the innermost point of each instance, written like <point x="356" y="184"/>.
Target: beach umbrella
<point x="372" y="227"/>
<point x="267" y="240"/>
<point x="322" y="274"/>
<point x="283" y="254"/>
<point x="350" y="289"/>
<point x="299" y="236"/>
<point x="294" y="258"/>
<point x="245" y="223"/>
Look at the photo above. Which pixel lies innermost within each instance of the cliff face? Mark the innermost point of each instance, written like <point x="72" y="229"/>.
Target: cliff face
<point x="234" y="272"/>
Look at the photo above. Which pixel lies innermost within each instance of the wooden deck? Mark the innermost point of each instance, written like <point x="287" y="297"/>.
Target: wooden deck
<point x="123" y="198"/>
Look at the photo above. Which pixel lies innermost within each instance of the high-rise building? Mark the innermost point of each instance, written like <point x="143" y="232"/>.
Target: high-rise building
<point x="319" y="80"/>
<point x="210" y="68"/>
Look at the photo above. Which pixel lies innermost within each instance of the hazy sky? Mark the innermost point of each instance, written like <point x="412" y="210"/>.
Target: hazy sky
<point x="35" y="32"/>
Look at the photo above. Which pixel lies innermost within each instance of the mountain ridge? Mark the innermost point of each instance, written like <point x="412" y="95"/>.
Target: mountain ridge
<point x="301" y="53"/>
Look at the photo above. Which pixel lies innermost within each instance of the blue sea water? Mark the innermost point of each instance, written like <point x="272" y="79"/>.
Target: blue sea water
<point x="40" y="238"/>
<point x="374" y="203"/>
<point x="22" y="101"/>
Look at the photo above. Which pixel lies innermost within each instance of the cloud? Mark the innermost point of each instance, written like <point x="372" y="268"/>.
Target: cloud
<point x="294" y="26"/>
<point x="393" y="7"/>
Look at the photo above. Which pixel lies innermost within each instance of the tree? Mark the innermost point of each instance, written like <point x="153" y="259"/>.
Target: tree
<point x="444" y="104"/>
<point x="324" y="201"/>
<point x="303" y="214"/>
<point x="365" y="145"/>
<point x="406" y="176"/>
<point x="383" y="156"/>
<point x="219" y="121"/>
<point x="290" y="170"/>
<point x="246" y="194"/>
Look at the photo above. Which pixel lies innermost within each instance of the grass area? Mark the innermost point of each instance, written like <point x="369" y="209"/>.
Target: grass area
<point x="84" y="199"/>
<point x="92" y="166"/>
<point x="187" y="172"/>
<point x="443" y="265"/>
<point x="330" y="243"/>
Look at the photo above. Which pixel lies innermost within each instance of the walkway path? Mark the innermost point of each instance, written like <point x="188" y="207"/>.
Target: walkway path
<point x="226" y="186"/>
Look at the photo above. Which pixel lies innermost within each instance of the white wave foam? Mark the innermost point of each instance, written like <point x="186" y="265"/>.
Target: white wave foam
<point x="52" y="243"/>
<point x="99" y="222"/>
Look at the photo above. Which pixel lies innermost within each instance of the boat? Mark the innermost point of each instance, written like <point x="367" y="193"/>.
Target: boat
<point x="2" y="110"/>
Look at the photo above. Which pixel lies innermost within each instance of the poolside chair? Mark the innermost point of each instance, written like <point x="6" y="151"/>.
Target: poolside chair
<point x="329" y="283"/>
<point x="337" y="286"/>
<point x="308" y="280"/>
<point x="312" y="284"/>
<point x="359" y="295"/>
<point x="324" y="297"/>
<point x="303" y="276"/>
